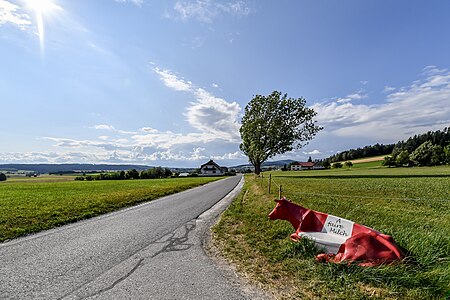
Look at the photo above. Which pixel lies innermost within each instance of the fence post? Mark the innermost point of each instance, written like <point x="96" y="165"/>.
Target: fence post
<point x="270" y="182"/>
<point x="279" y="192"/>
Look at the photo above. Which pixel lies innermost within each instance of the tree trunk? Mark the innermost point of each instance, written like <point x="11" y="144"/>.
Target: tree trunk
<point x="257" y="168"/>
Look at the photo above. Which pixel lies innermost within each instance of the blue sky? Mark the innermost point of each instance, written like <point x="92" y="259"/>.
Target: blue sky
<point x="165" y="82"/>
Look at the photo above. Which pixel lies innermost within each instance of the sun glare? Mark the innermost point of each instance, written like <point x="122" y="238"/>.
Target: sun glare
<point x="42" y="8"/>
<point x="42" y="5"/>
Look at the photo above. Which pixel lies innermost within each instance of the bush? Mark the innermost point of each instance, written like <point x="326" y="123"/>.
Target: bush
<point x="390" y="161"/>
<point x="428" y="154"/>
<point x="337" y="165"/>
<point x="326" y="164"/>
<point x="2" y="177"/>
<point x="402" y="158"/>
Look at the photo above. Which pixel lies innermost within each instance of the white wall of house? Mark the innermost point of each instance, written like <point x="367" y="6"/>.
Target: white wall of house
<point x="210" y="169"/>
<point x="296" y="168"/>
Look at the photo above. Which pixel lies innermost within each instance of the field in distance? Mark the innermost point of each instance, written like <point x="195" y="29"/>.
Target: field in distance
<point x="411" y="204"/>
<point x="30" y="205"/>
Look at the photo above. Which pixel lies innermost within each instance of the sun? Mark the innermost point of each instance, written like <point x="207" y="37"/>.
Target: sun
<point x="42" y="8"/>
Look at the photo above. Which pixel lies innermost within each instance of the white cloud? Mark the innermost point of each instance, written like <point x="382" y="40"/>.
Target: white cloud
<point x="172" y="81"/>
<point x="112" y="128"/>
<point x="364" y="82"/>
<point x="388" y="89"/>
<point x="206" y="10"/>
<point x="104" y="127"/>
<point x="135" y="2"/>
<point x="212" y="116"/>
<point x="9" y="13"/>
<point x="355" y="96"/>
<point x="215" y="85"/>
<point x="149" y="130"/>
<point x="314" y="152"/>
<point x="420" y="107"/>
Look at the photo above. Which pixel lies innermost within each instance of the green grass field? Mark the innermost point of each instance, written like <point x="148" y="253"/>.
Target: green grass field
<point x="411" y="204"/>
<point x="40" y="178"/>
<point x="28" y="206"/>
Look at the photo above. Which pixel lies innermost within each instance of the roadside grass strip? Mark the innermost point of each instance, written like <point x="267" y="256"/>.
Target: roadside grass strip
<point x="411" y="205"/>
<point x="27" y="206"/>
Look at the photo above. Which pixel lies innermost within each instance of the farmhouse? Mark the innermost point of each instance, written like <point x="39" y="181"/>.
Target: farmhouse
<point x="211" y="168"/>
<point x="299" y="166"/>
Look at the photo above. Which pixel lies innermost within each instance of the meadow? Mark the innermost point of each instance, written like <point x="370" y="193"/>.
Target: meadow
<point x="410" y="204"/>
<point x="30" y="205"/>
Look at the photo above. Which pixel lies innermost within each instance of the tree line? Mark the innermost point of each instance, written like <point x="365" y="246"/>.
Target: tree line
<point x="367" y="151"/>
<point x="428" y="149"/>
<point x="153" y="173"/>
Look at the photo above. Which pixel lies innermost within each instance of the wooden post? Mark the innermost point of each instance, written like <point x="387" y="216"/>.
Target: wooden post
<point x="270" y="182"/>
<point x="279" y="192"/>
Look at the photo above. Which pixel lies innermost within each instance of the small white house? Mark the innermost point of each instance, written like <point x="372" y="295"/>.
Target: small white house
<point x="298" y="166"/>
<point x="211" y="168"/>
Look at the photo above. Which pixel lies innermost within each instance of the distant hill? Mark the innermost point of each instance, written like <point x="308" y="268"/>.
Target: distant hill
<point x="277" y="163"/>
<point x="66" y="168"/>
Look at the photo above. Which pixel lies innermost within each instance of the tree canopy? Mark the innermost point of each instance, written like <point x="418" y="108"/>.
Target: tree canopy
<point x="2" y="177"/>
<point x="275" y="124"/>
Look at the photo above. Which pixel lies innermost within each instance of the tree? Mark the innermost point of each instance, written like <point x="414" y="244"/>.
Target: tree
<point x="337" y="165"/>
<point x="275" y="124"/>
<point x="348" y="164"/>
<point x="422" y="155"/>
<point x="447" y="154"/>
<point x="437" y="155"/>
<point x="402" y="158"/>
<point x="310" y="159"/>
<point x="326" y="164"/>
<point x="132" y="174"/>
<point x="2" y="177"/>
<point x="389" y="161"/>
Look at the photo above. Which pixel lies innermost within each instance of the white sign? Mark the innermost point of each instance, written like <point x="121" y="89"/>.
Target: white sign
<point x="338" y="226"/>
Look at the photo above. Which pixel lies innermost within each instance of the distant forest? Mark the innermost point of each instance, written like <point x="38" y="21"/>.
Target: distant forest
<point x="439" y="138"/>
<point x="367" y="151"/>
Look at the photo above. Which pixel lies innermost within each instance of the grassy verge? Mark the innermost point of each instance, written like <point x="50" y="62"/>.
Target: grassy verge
<point x="28" y="206"/>
<point x="412" y="205"/>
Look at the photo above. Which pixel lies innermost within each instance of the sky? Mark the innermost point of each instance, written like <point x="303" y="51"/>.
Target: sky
<point x="165" y="83"/>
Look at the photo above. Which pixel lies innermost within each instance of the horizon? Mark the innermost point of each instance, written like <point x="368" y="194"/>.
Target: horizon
<point x="166" y="82"/>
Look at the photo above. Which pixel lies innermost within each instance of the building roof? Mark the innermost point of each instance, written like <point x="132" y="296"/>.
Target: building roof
<point x="210" y="163"/>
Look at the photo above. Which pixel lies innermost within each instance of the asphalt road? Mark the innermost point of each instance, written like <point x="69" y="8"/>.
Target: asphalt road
<point x="150" y="251"/>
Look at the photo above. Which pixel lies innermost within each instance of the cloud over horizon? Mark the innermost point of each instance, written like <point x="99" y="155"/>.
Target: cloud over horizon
<point x="422" y="106"/>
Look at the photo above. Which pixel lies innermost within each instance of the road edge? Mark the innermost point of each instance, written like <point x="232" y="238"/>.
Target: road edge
<point x="204" y="224"/>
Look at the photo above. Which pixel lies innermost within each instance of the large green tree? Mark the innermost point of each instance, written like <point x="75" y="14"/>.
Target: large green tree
<point x="2" y="177"/>
<point x="275" y="124"/>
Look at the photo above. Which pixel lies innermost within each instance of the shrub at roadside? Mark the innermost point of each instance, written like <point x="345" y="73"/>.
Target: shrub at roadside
<point x="3" y="177"/>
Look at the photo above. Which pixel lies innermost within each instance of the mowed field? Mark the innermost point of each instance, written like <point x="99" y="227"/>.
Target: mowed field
<point x="411" y="204"/>
<point x="34" y="204"/>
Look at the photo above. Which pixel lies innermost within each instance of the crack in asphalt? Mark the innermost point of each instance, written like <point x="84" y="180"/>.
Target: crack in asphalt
<point x="173" y="243"/>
